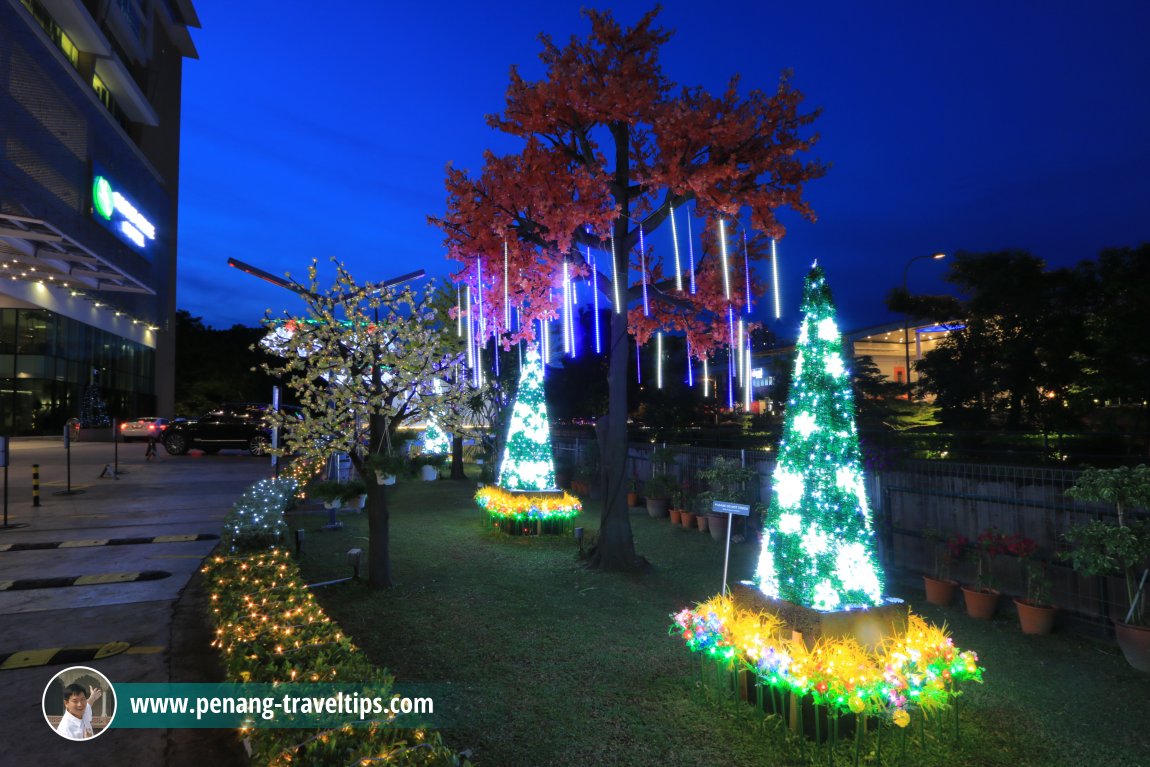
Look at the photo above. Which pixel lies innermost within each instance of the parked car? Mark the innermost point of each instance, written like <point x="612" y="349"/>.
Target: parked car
<point x="147" y="427"/>
<point x="236" y="425"/>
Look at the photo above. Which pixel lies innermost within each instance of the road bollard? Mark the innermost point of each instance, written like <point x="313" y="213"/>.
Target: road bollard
<point x="35" y="484"/>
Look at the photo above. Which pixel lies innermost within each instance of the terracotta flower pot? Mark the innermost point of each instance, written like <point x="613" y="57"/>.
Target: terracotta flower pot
<point x="676" y="515"/>
<point x="701" y="522"/>
<point x="1135" y="644"/>
<point x="632" y="500"/>
<point x="1035" y="619"/>
<point x="687" y="519"/>
<point x="980" y="604"/>
<point x="939" y="592"/>
<point x="657" y="507"/>
<point x="717" y="524"/>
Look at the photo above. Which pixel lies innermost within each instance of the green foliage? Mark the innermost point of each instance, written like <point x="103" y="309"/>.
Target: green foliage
<point x="1123" y="487"/>
<point x="1101" y="549"/>
<point x="333" y="490"/>
<point x="726" y="481"/>
<point x="659" y="486"/>
<point x="256" y="521"/>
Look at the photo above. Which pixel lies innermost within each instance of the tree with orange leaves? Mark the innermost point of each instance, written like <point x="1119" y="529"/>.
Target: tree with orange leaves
<point x="612" y="149"/>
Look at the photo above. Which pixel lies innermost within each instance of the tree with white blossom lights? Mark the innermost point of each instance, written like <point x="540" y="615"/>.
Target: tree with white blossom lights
<point x="819" y="546"/>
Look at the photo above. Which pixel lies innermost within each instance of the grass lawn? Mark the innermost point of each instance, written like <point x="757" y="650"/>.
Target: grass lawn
<point x="538" y="661"/>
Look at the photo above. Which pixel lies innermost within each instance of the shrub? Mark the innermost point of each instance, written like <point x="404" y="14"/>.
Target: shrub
<point x="256" y="520"/>
<point x="270" y="629"/>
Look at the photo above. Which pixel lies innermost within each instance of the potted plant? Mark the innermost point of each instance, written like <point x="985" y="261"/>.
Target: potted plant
<point x="387" y="466"/>
<point x="678" y="504"/>
<point x="428" y="465"/>
<point x="633" y="492"/>
<point x="982" y="598"/>
<point x="658" y="491"/>
<point x="1102" y="548"/>
<point x="1035" y="611"/>
<point x="940" y="587"/>
<point x="334" y="493"/>
<point x="726" y="481"/>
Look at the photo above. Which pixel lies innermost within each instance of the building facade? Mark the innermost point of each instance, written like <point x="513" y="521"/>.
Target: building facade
<point x="90" y="96"/>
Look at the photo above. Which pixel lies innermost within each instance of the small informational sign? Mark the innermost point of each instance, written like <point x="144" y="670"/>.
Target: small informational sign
<point x="3" y="452"/>
<point x="726" y="507"/>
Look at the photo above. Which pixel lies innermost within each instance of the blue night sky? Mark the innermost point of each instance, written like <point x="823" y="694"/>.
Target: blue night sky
<point x="313" y="131"/>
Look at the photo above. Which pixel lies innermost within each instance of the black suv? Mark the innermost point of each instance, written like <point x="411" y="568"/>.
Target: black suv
<point x="238" y="425"/>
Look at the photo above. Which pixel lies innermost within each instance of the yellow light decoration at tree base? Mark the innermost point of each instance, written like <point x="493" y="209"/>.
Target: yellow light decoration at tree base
<point x="920" y="669"/>
<point x="529" y="513"/>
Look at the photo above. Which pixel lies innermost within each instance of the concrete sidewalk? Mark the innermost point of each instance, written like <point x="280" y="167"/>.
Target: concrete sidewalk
<point x="181" y="501"/>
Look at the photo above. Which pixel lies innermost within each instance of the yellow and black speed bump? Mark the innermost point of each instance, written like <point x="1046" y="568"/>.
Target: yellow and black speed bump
<point x="82" y="580"/>
<point x="52" y="656"/>
<point x="41" y="545"/>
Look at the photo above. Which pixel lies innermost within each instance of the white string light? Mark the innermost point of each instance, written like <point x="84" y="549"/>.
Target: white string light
<point x="675" y="240"/>
<point x="775" y="279"/>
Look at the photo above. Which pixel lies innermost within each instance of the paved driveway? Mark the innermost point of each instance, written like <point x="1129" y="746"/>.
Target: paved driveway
<point x="70" y="577"/>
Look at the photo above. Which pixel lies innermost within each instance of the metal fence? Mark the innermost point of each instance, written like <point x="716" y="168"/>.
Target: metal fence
<point x="951" y="499"/>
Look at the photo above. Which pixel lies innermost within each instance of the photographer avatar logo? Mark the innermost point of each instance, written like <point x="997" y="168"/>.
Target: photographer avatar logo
<point x="79" y="703"/>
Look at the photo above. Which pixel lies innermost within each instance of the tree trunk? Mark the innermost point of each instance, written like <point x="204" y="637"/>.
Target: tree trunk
<point x="378" y="541"/>
<point x="457" y="456"/>
<point x="378" y="518"/>
<point x="615" y="547"/>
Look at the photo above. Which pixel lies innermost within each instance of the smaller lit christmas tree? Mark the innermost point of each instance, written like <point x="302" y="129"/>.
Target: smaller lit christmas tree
<point x="528" y="463"/>
<point x="435" y="440"/>
<point x="526" y="499"/>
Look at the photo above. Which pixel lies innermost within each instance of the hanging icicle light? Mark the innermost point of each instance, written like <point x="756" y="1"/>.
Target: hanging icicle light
<point x="775" y="279"/>
<point x="545" y="337"/>
<point x="595" y="298"/>
<point x="747" y="380"/>
<point x="747" y="269"/>
<point x="481" y="338"/>
<point x="726" y="264"/>
<point x="691" y="251"/>
<point x="566" y="310"/>
<point x="571" y="324"/>
<point x="659" y="360"/>
<point x="615" y="274"/>
<point x="470" y="338"/>
<point x="739" y="372"/>
<point x="643" y="272"/>
<point x="706" y="379"/>
<point x="675" y="240"/>
<point x="638" y="365"/>
<point x="458" y="311"/>
<point x="690" y="367"/>
<point x="506" y="291"/>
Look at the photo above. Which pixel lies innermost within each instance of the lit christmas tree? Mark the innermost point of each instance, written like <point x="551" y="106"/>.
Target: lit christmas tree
<point x="435" y="441"/>
<point x="528" y="463"/>
<point x="818" y="548"/>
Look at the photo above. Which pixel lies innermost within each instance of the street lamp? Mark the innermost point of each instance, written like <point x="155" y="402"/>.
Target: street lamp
<point x="906" y="321"/>
<point x="255" y="271"/>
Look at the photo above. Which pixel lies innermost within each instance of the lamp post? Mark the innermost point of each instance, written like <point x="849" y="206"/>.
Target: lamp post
<point x="906" y="320"/>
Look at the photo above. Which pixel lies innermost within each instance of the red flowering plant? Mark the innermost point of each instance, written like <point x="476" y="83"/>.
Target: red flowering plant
<point x="990" y="543"/>
<point x="947" y="549"/>
<point x="1037" y="580"/>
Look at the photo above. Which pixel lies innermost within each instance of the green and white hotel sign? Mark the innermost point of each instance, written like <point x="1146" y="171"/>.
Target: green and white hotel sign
<point x="116" y="211"/>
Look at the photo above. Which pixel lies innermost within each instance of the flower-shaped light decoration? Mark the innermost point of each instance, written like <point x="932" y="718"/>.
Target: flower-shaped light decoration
<point x="920" y="669"/>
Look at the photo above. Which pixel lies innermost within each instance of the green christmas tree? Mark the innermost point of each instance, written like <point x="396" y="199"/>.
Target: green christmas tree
<point x="528" y="463"/>
<point x="435" y="441"/>
<point x="818" y="545"/>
